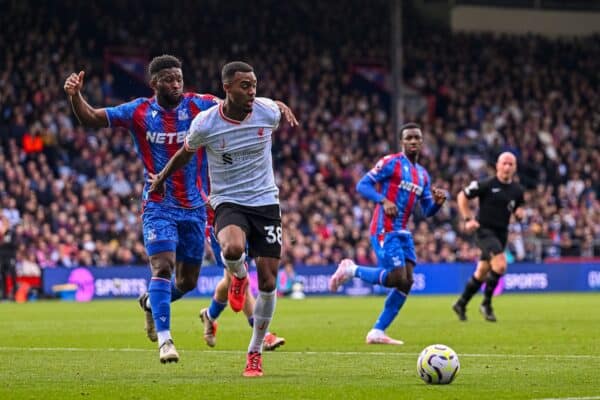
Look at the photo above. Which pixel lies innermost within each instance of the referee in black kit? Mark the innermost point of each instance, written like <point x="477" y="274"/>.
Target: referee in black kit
<point x="499" y="197"/>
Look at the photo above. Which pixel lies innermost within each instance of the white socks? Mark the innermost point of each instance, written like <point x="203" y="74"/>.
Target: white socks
<point x="236" y="267"/>
<point x="163" y="336"/>
<point x="263" y="313"/>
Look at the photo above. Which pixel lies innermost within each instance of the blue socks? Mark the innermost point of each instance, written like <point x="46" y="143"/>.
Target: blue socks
<point x="215" y="309"/>
<point x="176" y="294"/>
<point x="376" y="276"/>
<point x="159" y="292"/>
<point x="394" y="302"/>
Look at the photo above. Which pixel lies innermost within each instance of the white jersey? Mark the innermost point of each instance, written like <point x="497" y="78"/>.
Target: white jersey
<point x="240" y="164"/>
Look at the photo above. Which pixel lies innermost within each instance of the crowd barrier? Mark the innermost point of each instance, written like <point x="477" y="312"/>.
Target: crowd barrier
<point x="130" y="281"/>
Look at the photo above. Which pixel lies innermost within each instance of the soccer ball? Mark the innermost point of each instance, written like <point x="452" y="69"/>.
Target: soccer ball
<point x="438" y="364"/>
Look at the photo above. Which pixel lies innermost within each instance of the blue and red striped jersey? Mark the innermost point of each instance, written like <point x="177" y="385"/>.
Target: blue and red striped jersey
<point x="403" y="183"/>
<point x="158" y="134"/>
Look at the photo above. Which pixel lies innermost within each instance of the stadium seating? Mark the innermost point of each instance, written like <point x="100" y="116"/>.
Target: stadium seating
<point x="73" y="194"/>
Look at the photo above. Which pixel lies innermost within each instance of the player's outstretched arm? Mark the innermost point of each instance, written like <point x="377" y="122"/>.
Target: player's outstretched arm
<point x="180" y="159"/>
<point x="87" y="115"/>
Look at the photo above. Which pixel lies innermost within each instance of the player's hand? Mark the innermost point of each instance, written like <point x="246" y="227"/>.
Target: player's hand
<point x="389" y="208"/>
<point x="471" y="226"/>
<point x="74" y="83"/>
<point x="157" y="185"/>
<point x="287" y="113"/>
<point x="520" y="213"/>
<point x="439" y="196"/>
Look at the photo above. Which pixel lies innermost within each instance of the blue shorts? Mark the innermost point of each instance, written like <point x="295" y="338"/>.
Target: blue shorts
<point x="179" y="230"/>
<point x="397" y="248"/>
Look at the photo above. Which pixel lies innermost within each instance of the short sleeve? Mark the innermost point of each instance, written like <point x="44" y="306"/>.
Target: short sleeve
<point x="121" y="116"/>
<point x="475" y="189"/>
<point x="196" y="135"/>
<point x="275" y="112"/>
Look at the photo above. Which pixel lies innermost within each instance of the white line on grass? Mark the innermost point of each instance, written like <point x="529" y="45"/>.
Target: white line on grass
<point x="335" y="353"/>
<point x="572" y="398"/>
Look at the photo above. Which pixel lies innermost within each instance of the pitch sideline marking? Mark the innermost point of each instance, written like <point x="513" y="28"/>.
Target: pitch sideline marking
<point x="572" y="398"/>
<point x="335" y="353"/>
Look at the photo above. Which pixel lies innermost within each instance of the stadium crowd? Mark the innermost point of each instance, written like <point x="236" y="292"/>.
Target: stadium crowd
<point x="73" y="195"/>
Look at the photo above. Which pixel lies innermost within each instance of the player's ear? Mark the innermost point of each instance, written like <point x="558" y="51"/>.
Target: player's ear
<point x="153" y="82"/>
<point x="226" y="87"/>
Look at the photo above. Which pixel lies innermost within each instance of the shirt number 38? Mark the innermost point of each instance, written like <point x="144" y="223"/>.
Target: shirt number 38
<point x="273" y="234"/>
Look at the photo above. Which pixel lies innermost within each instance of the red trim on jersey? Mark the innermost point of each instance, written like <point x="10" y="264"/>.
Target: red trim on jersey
<point x="139" y="130"/>
<point x="392" y="194"/>
<point x="411" y="197"/>
<point x="210" y="216"/>
<point x="178" y="177"/>
<point x="194" y="109"/>
<point x="230" y="120"/>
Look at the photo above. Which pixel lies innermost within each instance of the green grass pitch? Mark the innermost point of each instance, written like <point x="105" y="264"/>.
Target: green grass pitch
<point x="544" y="346"/>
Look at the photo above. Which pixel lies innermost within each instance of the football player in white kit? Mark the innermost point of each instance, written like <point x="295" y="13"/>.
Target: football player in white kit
<point x="237" y="137"/>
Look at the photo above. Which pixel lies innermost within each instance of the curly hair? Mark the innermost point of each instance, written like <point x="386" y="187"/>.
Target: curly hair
<point x="162" y="62"/>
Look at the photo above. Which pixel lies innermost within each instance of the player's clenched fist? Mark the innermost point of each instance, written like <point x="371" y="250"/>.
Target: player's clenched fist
<point x="439" y="196"/>
<point x="74" y="83"/>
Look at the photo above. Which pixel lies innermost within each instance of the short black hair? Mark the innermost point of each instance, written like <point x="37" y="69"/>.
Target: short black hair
<point x="408" y="125"/>
<point x="229" y="70"/>
<point x="163" y="62"/>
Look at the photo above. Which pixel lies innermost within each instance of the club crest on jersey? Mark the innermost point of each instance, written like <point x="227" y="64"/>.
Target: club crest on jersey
<point x="182" y="115"/>
<point x="261" y="132"/>
<point x="151" y="235"/>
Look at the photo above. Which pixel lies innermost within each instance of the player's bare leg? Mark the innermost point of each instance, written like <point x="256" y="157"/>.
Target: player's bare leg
<point x="233" y="244"/>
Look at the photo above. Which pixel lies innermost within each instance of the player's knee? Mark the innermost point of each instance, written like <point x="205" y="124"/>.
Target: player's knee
<point x="405" y="285"/>
<point x="267" y="283"/>
<point x="162" y="267"/>
<point x="498" y="263"/>
<point x="232" y="251"/>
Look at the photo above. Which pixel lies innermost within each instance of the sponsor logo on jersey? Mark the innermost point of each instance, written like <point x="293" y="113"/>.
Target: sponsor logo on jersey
<point x="227" y="159"/>
<point x="165" y="138"/>
<point x="411" y="187"/>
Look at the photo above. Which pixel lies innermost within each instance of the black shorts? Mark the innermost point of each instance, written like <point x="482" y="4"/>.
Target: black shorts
<point x="262" y="226"/>
<point x="491" y="242"/>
